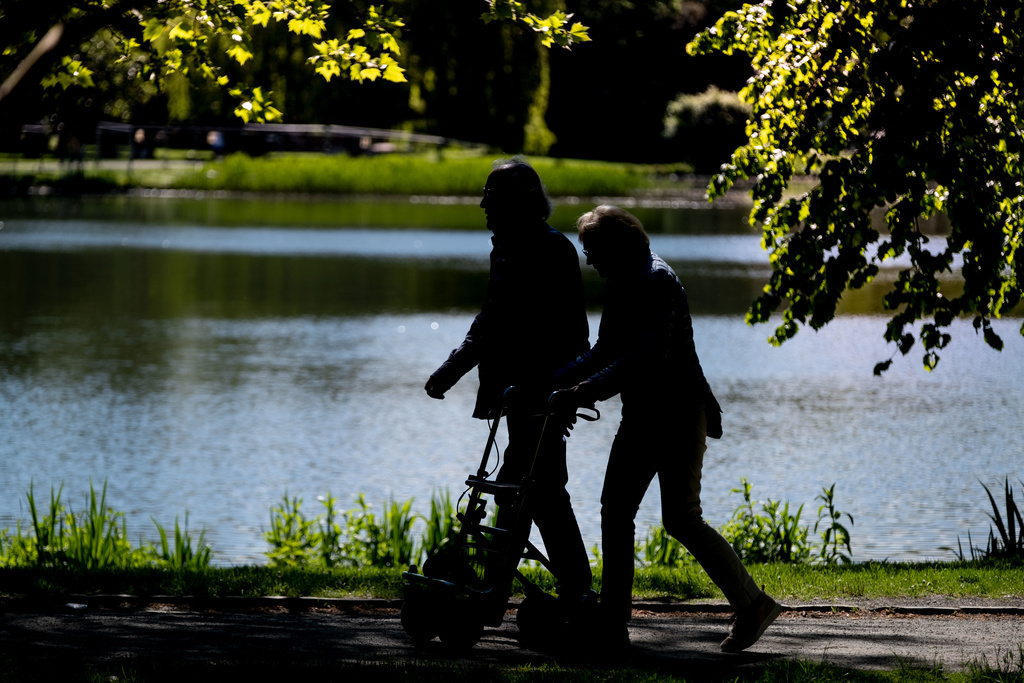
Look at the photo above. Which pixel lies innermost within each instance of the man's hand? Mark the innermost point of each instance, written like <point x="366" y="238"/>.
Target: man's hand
<point x="435" y="389"/>
<point x="566" y="401"/>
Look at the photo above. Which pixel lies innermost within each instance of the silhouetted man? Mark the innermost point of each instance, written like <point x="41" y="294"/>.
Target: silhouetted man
<point x="533" y="321"/>
<point x="646" y="353"/>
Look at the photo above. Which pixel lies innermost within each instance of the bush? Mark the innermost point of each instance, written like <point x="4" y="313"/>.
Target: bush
<point x="704" y="129"/>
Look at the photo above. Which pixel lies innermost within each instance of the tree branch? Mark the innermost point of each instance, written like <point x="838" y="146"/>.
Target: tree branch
<point x="45" y="44"/>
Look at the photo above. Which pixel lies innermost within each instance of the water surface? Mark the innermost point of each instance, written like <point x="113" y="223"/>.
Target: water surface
<point x="210" y="366"/>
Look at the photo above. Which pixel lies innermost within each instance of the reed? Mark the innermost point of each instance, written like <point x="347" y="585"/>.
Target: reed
<point x="363" y="540"/>
<point x="93" y="540"/>
<point x="48" y="529"/>
<point x="182" y="556"/>
<point x="98" y="538"/>
<point x="1010" y="543"/>
<point x="440" y="523"/>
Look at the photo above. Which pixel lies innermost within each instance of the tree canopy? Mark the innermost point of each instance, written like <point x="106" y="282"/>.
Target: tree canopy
<point x="195" y="41"/>
<point x="908" y="108"/>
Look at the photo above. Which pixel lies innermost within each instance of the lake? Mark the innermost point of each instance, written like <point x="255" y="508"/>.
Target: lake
<point x="209" y="354"/>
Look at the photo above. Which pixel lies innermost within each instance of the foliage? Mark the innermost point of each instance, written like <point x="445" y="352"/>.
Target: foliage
<point x="835" y="536"/>
<point x="1010" y="544"/>
<point x="379" y="542"/>
<point x="909" y="108"/>
<point x="440" y="523"/>
<point x="774" y="536"/>
<point x="554" y="29"/>
<point x="94" y="540"/>
<point x="203" y="42"/>
<point x="182" y="555"/>
<point x="706" y="126"/>
<point x="660" y="549"/>
<point x="294" y="540"/>
<point x="196" y="42"/>
<point x="362" y="540"/>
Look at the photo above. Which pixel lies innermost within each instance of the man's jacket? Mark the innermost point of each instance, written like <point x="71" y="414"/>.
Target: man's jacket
<point x="533" y="319"/>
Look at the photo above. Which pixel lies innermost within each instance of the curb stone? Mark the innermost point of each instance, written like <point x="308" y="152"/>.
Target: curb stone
<point x="76" y="602"/>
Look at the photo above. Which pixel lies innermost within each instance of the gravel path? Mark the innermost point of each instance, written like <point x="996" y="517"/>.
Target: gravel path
<point x="681" y="638"/>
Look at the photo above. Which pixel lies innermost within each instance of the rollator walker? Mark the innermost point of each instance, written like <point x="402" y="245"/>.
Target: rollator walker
<point x="454" y="598"/>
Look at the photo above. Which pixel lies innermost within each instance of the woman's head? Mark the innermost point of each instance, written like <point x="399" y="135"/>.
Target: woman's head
<point x="611" y="237"/>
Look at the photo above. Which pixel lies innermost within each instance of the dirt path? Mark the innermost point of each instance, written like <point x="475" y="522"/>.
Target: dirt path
<point x="681" y="638"/>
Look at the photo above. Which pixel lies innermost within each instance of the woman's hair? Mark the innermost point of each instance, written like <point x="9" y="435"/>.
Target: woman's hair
<point x="519" y="174"/>
<point x="615" y="228"/>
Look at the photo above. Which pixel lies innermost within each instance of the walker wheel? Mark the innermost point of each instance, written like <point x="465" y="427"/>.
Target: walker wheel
<point x="462" y="625"/>
<point x="421" y="617"/>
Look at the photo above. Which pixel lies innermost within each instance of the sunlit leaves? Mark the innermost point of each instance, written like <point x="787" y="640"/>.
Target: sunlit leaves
<point x="554" y="29"/>
<point x="195" y="41"/>
<point x="882" y="101"/>
<point x="255" y="106"/>
<point x="71" y="72"/>
<point x="185" y="43"/>
<point x="365" y="54"/>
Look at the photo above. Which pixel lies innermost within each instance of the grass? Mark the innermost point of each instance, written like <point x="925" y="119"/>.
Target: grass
<point x="987" y="580"/>
<point x="394" y="174"/>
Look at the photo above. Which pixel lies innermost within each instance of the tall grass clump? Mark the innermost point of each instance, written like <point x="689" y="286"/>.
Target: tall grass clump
<point x="94" y="539"/>
<point x="1010" y="542"/>
<point x="356" y="538"/>
<point x="181" y="555"/>
<point x="772" y="534"/>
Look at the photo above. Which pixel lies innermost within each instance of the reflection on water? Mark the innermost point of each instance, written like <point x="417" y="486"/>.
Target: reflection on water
<point x="215" y="378"/>
<point x="452" y="213"/>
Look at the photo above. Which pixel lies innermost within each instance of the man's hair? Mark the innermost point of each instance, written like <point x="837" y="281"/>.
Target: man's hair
<point x="518" y="172"/>
<point x="618" y="230"/>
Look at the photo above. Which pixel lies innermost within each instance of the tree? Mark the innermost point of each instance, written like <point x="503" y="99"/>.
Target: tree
<point x="636" y="65"/>
<point x="907" y="107"/>
<point x="197" y="41"/>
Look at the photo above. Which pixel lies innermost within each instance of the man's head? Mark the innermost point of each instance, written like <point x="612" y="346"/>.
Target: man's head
<point x="611" y="238"/>
<point x="514" y="194"/>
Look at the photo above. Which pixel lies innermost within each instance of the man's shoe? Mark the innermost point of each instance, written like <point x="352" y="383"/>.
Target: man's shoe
<point x="750" y="623"/>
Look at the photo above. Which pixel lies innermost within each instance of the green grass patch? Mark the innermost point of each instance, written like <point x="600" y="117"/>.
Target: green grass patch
<point x="400" y="174"/>
<point x="994" y="580"/>
<point x="393" y="174"/>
